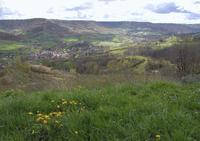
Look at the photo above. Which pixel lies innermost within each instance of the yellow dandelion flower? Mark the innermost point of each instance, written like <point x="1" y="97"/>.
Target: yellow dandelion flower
<point x="39" y="115"/>
<point x="65" y="102"/>
<point x="157" y="136"/>
<point x="39" y="119"/>
<point x="58" y="114"/>
<point x="46" y="116"/>
<point x="57" y="121"/>
<point x="30" y="113"/>
<point x="45" y="121"/>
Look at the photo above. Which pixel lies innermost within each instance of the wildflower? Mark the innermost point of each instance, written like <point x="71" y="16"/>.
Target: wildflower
<point x="39" y="119"/>
<point x="30" y="113"/>
<point x="58" y="106"/>
<point x="57" y="122"/>
<point x="50" y="114"/>
<point x="45" y="121"/>
<point x="76" y="132"/>
<point x="39" y="115"/>
<point x="46" y="116"/>
<point x="58" y="114"/>
<point x="157" y="136"/>
<point x="64" y="102"/>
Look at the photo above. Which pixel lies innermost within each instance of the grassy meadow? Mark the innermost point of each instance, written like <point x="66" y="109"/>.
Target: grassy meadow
<point x="123" y="112"/>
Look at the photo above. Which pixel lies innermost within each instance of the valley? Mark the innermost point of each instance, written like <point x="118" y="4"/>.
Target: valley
<point x="99" y="81"/>
<point x="88" y="47"/>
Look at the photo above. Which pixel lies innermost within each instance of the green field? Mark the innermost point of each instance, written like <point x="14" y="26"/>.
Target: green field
<point x="9" y="46"/>
<point x="116" y="42"/>
<point x="124" y="112"/>
<point x="70" y="39"/>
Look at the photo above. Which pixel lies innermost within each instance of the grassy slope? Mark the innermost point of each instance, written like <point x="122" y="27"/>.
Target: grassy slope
<point x="121" y="112"/>
<point x="141" y="67"/>
<point x="9" y="45"/>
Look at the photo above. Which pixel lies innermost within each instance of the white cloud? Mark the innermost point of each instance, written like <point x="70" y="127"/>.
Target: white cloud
<point x="105" y="10"/>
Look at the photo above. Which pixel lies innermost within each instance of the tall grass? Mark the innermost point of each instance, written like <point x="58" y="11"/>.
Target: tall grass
<point x="124" y="112"/>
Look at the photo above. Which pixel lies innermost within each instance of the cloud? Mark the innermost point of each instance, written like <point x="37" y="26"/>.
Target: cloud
<point x="83" y="16"/>
<point x="84" y="6"/>
<point x="106" y="16"/>
<point x="50" y="10"/>
<point x="166" y="8"/>
<point x="107" y="1"/>
<point x="169" y="8"/>
<point x="136" y="14"/>
<point x="164" y="11"/>
<point x="79" y="16"/>
<point x="197" y="2"/>
<point x="193" y="16"/>
<point x="5" y="12"/>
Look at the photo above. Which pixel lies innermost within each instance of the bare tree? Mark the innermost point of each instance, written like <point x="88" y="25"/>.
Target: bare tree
<point x="181" y="61"/>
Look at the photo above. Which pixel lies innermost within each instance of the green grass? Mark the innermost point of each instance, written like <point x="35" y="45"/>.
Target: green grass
<point x="45" y="39"/>
<point x="123" y="112"/>
<point x="169" y="42"/>
<point x="70" y="39"/>
<point x="116" y="42"/>
<point x="107" y="44"/>
<point x="88" y="37"/>
<point x="9" y="45"/>
<point x="141" y="68"/>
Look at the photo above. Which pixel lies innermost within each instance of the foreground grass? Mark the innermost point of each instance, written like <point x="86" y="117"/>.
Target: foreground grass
<point x="126" y="112"/>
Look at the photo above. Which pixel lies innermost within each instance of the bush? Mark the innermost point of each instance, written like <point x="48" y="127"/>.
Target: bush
<point x="192" y="78"/>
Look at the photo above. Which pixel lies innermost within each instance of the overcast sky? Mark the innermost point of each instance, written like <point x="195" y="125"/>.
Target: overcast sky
<point x="159" y="11"/>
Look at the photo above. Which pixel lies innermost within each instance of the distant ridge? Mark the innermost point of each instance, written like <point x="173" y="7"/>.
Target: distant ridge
<point x="52" y="30"/>
<point x="93" y="26"/>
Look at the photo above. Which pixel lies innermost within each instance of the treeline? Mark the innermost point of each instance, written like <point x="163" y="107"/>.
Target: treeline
<point x="105" y="63"/>
<point x="185" y="55"/>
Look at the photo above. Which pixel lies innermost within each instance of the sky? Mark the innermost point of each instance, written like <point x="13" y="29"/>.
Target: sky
<point x="156" y="11"/>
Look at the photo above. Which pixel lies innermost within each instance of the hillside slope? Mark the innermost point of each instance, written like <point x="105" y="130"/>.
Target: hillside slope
<point x="92" y="26"/>
<point x="154" y="111"/>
